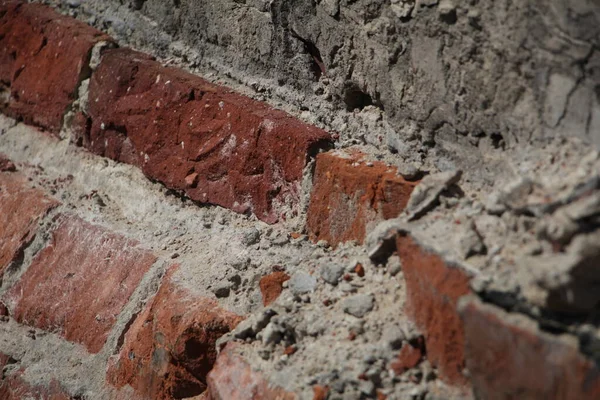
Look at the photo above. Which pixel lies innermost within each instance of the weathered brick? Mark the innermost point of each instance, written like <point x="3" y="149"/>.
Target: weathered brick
<point x="271" y="286"/>
<point x="433" y="288"/>
<point x="43" y="57"/>
<point x="350" y="195"/>
<point x="508" y="357"/>
<point x="202" y="139"/>
<point x="233" y="378"/>
<point x="171" y="345"/>
<point x="21" y="207"/>
<point x="79" y="283"/>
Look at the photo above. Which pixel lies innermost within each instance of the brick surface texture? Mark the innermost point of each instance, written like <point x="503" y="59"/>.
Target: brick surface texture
<point x="271" y="286"/>
<point x="350" y="195"/>
<point x="214" y="145"/>
<point x="79" y="283"/>
<point x="433" y="289"/>
<point x="43" y="58"/>
<point x="21" y="207"/>
<point x="510" y="359"/>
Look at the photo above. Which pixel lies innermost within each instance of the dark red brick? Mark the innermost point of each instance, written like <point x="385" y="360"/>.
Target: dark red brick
<point x="350" y="195"/>
<point x="202" y="139"/>
<point x="171" y="346"/>
<point x="508" y="357"/>
<point x="271" y="286"/>
<point x="43" y="57"/>
<point x="233" y="378"/>
<point x="433" y="288"/>
<point x="21" y="207"/>
<point x="79" y="283"/>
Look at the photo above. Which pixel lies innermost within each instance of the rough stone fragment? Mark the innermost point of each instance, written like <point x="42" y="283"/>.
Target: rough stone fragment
<point x="426" y="194"/>
<point x="566" y="222"/>
<point x="381" y="241"/>
<point x="250" y="236"/>
<point x="470" y="242"/>
<point x="358" y="305"/>
<point x="567" y="282"/>
<point x="79" y="283"/>
<point x="433" y="288"/>
<point x="234" y="378"/>
<point x="248" y="157"/>
<point x="171" y="345"/>
<point x="271" y="286"/>
<point x="393" y="336"/>
<point x="21" y="207"/>
<point x="351" y="195"/>
<point x="509" y="357"/>
<point x="302" y="283"/>
<point x="43" y="58"/>
<point x="331" y="273"/>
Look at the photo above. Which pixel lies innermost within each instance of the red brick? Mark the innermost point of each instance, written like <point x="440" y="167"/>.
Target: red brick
<point x="508" y="357"/>
<point x="271" y="286"/>
<point x="171" y="345"/>
<point x="14" y="387"/>
<point x="233" y="378"/>
<point x="433" y="288"/>
<point x="79" y="283"/>
<point x="247" y="156"/>
<point x="43" y="57"/>
<point x="350" y="195"/>
<point x="21" y="207"/>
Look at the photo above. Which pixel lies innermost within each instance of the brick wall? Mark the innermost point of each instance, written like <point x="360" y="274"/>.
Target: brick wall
<point x="130" y="196"/>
